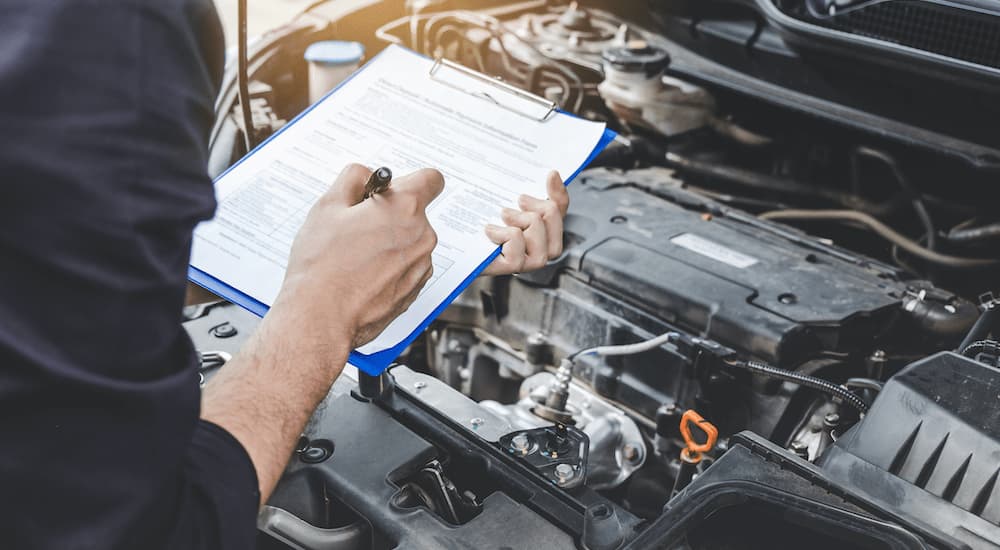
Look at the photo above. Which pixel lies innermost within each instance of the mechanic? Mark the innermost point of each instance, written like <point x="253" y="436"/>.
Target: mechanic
<point x="105" y="109"/>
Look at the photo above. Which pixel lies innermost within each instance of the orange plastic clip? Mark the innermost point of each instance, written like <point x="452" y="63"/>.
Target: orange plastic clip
<point x="694" y="450"/>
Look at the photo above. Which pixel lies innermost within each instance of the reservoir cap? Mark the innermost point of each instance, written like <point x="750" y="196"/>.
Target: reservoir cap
<point x="335" y="52"/>
<point x="637" y="57"/>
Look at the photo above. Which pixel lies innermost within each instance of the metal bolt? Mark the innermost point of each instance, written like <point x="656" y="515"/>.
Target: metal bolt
<point x="521" y="443"/>
<point x="630" y="452"/>
<point x="314" y="452"/>
<point x="225" y="330"/>
<point x="564" y="473"/>
<point x="476" y="422"/>
<point x="801" y="448"/>
<point x="788" y="298"/>
<point x="831" y="420"/>
<point x="876" y="363"/>
<point x="419" y="385"/>
<point x="313" y="455"/>
<point x="536" y="339"/>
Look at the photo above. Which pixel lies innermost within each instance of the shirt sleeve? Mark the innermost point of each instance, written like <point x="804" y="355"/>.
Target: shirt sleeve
<point x="105" y="111"/>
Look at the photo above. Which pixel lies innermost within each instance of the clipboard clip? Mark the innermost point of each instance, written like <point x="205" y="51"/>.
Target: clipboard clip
<point x="546" y="107"/>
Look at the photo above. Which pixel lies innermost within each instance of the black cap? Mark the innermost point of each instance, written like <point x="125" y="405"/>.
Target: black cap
<point x="637" y="56"/>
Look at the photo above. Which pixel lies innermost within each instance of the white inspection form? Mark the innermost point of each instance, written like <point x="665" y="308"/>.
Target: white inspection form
<point x="392" y="113"/>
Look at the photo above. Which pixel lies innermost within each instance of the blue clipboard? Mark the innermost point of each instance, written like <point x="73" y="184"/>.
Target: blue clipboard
<point x="375" y="363"/>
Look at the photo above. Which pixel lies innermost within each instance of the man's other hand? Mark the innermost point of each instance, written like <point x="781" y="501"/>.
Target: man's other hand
<point x="356" y="265"/>
<point x="534" y="234"/>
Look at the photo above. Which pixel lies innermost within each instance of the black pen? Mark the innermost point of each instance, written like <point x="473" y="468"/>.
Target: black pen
<point x="378" y="182"/>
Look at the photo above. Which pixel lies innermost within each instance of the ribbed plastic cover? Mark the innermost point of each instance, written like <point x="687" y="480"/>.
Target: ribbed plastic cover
<point x="930" y="448"/>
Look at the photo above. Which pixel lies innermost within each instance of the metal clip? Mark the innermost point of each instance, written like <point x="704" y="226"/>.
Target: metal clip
<point x="549" y="107"/>
<point x="208" y="360"/>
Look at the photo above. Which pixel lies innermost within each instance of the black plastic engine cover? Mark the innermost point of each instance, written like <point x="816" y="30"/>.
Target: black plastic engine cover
<point x="719" y="277"/>
<point x="929" y="449"/>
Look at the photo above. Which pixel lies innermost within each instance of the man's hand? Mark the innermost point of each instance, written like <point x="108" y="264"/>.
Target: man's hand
<point x="353" y="268"/>
<point x="534" y="234"/>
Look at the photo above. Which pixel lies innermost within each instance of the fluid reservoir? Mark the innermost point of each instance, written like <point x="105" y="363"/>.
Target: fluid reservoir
<point x="330" y="62"/>
<point x="639" y="93"/>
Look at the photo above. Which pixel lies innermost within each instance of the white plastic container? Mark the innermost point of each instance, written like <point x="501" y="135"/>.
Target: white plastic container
<point x="330" y="62"/>
<point x="639" y="93"/>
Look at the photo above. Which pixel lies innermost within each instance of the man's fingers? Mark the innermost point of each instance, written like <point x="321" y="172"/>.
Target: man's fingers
<point x="504" y="235"/>
<point x="349" y="188"/>
<point x="513" y="252"/>
<point x="535" y="236"/>
<point x="521" y="219"/>
<point x="424" y="184"/>
<point x="553" y="219"/>
<point x="557" y="192"/>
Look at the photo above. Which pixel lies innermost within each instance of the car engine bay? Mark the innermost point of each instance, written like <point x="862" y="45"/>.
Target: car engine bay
<point x="790" y="248"/>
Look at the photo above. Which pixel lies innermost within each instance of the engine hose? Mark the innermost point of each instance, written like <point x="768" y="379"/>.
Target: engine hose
<point x="813" y="382"/>
<point x="975" y="234"/>
<point x="985" y="325"/>
<point x="884" y="231"/>
<point x="981" y="346"/>
<point x="865" y="384"/>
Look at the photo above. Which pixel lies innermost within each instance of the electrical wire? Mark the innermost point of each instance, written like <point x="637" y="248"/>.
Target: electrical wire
<point x="813" y="382"/>
<point x="883" y="231"/>
<point x="753" y="366"/>
<point x="627" y="349"/>
<point x="311" y="7"/>
<point x="243" y="76"/>
<point x="904" y="183"/>
<point x="383" y="34"/>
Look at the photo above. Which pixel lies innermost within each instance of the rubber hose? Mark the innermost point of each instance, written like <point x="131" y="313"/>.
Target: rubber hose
<point x="975" y="234"/>
<point x="986" y="323"/>
<point x="865" y="383"/>
<point x="883" y="231"/>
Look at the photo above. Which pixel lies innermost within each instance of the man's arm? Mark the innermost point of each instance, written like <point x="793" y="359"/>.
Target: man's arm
<point x="106" y="109"/>
<point x="354" y="267"/>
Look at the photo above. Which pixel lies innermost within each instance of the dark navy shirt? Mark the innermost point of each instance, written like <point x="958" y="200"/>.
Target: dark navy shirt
<point x="105" y="110"/>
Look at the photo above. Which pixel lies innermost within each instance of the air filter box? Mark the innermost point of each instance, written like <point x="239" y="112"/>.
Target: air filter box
<point x="929" y="449"/>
